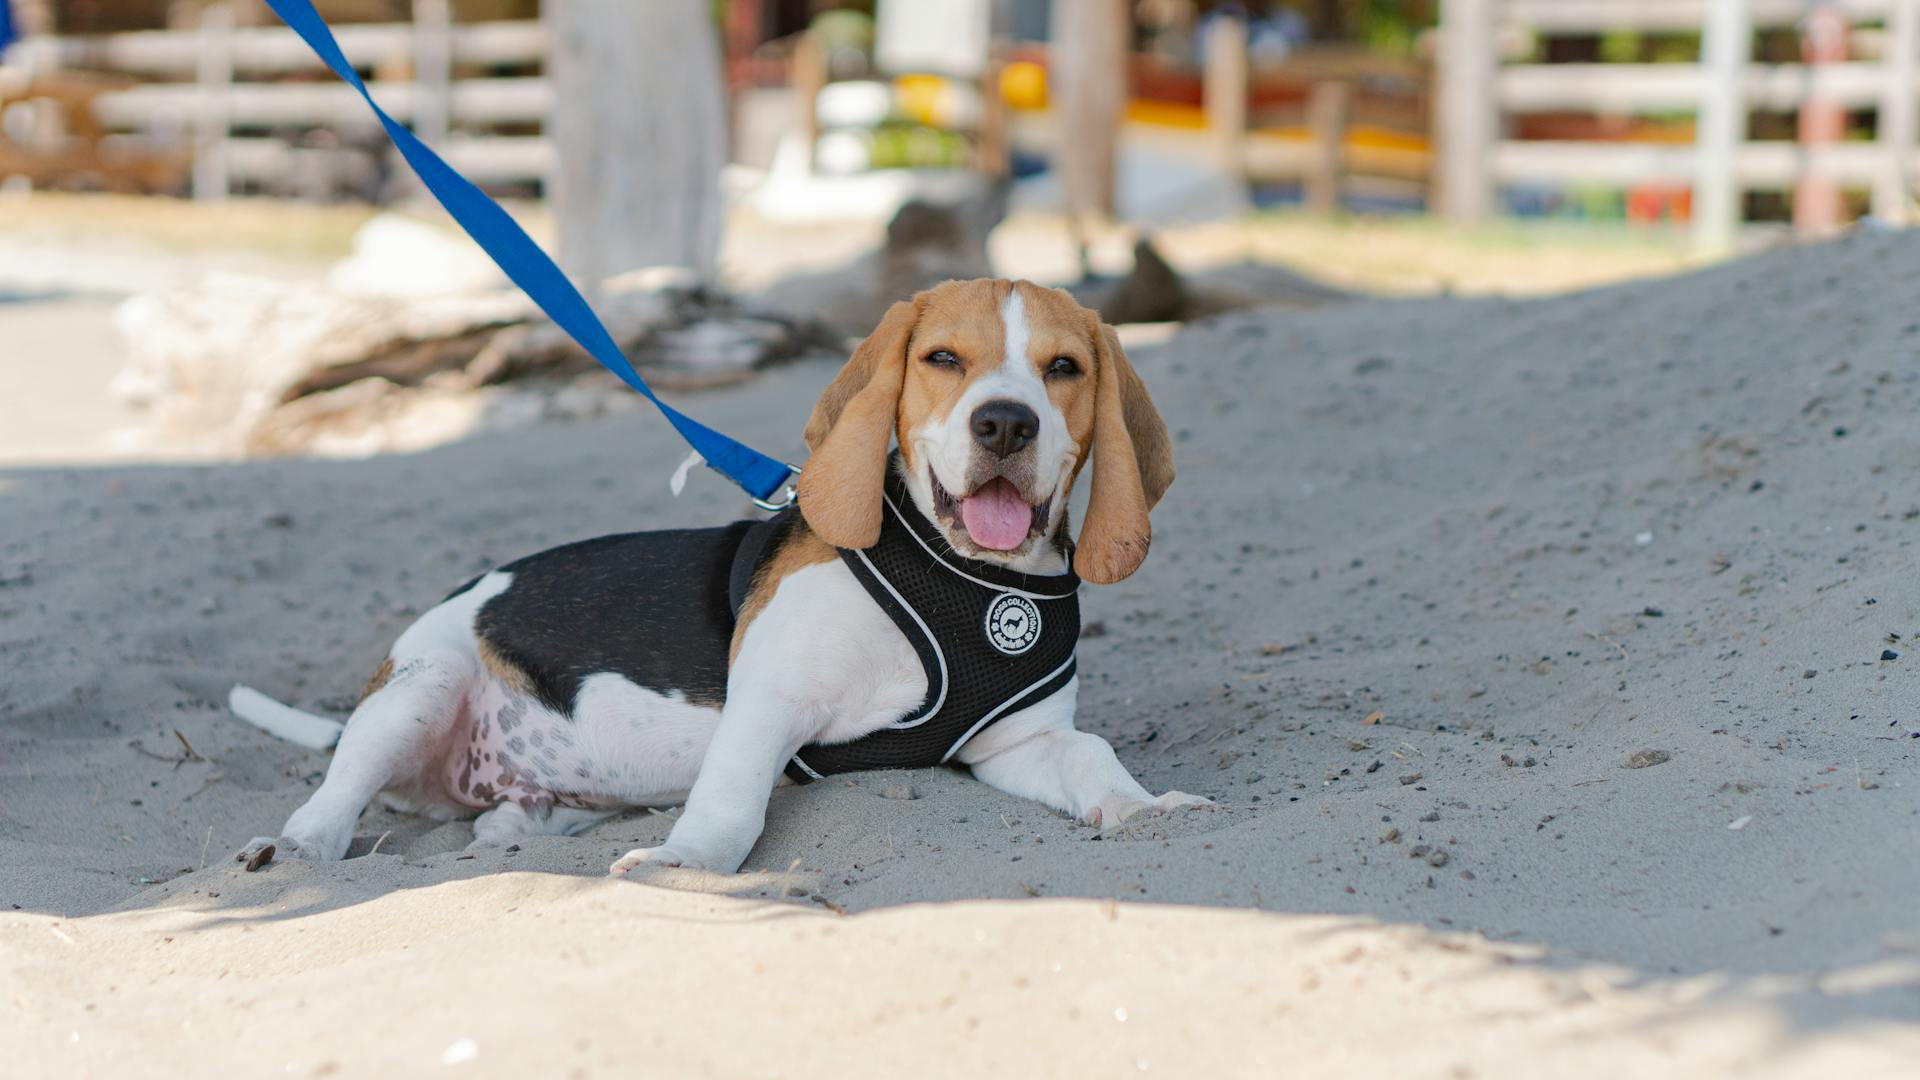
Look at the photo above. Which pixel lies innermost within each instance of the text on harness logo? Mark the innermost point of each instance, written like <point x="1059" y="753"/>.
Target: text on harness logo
<point x="1013" y="623"/>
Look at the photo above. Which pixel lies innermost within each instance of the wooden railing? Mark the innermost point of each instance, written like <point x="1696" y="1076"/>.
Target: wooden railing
<point x="1480" y="94"/>
<point x="239" y="92"/>
<point x="1346" y="92"/>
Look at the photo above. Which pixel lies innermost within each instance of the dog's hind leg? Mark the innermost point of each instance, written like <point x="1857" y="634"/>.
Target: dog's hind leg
<point x="392" y="739"/>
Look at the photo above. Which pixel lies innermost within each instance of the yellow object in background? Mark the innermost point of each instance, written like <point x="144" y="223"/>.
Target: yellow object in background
<point x="1024" y="85"/>
<point x="937" y="101"/>
<point x="922" y="98"/>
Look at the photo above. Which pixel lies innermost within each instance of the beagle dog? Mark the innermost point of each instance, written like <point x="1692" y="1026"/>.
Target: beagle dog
<point x="646" y="670"/>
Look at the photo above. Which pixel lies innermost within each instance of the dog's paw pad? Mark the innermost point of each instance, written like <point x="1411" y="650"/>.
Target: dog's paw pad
<point x="658" y="856"/>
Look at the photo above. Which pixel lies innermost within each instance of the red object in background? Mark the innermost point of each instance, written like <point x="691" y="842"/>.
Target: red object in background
<point x="1654" y="203"/>
<point x="1816" y="199"/>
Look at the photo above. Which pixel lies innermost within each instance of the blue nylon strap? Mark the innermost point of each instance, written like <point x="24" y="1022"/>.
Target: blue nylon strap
<point x="530" y="268"/>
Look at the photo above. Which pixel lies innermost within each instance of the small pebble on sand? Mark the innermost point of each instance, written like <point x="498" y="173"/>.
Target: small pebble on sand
<point x="1641" y="759"/>
<point x="1889" y="654"/>
<point x="903" y="792"/>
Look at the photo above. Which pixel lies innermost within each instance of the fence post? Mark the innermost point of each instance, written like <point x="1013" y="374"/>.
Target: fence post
<point x="1725" y="45"/>
<point x="1329" y="107"/>
<point x="992" y="152"/>
<point x="432" y="71"/>
<point x="1823" y="122"/>
<point x="1893" y="192"/>
<point x="214" y="72"/>
<point x="1469" y="114"/>
<point x="1223" y="92"/>
<point x="807" y="73"/>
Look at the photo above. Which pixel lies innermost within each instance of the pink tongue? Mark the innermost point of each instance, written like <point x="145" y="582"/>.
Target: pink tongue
<point x="997" y="518"/>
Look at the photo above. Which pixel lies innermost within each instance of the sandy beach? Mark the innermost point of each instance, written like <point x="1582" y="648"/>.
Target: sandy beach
<point x="1553" y="662"/>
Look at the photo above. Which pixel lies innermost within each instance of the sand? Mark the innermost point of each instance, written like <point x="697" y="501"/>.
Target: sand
<point x="1434" y="574"/>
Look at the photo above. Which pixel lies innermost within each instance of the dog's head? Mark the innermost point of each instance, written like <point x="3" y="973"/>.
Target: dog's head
<point x="999" y="392"/>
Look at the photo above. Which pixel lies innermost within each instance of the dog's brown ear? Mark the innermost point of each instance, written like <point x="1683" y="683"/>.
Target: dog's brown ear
<point x="1132" y="467"/>
<point x="848" y="433"/>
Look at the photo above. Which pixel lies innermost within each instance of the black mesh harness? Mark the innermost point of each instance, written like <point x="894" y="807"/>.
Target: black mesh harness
<point x="992" y="641"/>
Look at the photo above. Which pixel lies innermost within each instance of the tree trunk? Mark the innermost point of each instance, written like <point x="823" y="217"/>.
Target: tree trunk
<point x="639" y="126"/>
<point x="1088" y="83"/>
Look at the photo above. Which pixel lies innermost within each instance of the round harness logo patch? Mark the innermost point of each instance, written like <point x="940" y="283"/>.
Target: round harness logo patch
<point x="1013" y="623"/>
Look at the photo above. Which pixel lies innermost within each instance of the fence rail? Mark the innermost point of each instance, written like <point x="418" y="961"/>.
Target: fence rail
<point x="275" y="50"/>
<point x="1655" y="16"/>
<point x="1623" y="89"/>
<point x="468" y="101"/>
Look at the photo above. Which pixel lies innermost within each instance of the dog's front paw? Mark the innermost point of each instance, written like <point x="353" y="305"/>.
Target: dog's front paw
<point x="658" y="856"/>
<point x="263" y="850"/>
<point x="1177" y="800"/>
<point x="1111" y="813"/>
<point x="668" y="856"/>
<point x="258" y="852"/>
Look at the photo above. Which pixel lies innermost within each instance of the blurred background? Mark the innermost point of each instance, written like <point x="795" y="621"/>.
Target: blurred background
<point x="209" y="249"/>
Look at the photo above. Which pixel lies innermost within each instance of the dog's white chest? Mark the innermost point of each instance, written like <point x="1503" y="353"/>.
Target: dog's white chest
<point x="827" y="653"/>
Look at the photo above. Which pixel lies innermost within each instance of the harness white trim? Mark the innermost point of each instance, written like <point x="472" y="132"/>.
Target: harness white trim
<point x="1002" y="707"/>
<point x="996" y="586"/>
<point x="925" y="632"/>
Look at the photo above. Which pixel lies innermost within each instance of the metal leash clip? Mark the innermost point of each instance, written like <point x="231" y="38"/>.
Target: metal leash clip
<point x="789" y="491"/>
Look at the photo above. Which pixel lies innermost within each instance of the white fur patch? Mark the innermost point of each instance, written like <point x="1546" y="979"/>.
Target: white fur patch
<point x="1013" y="314"/>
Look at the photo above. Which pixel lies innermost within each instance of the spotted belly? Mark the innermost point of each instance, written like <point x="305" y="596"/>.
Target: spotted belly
<point x="620" y="745"/>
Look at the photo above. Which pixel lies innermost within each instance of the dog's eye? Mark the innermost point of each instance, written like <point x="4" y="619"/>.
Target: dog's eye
<point x="943" y="358"/>
<point x="1063" y="366"/>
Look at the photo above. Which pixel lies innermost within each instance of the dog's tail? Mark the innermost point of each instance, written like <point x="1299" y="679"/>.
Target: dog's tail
<point x="284" y="721"/>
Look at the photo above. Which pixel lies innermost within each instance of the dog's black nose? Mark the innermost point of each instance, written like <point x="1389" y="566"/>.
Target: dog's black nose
<point x="1004" y="427"/>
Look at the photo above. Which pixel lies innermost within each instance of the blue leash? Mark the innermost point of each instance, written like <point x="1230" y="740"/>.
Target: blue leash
<point x="509" y="245"/>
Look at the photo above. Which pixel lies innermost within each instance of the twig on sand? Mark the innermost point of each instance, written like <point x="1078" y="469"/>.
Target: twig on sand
<point x="168" y="758"/>
<point x="375" y="849"/>
<point x="786" y="879"/>
<point x="204" y="846"/>
<point x="1599" y="780"/>
<point x="212" y="779"/>
<point x="192" y="754"/>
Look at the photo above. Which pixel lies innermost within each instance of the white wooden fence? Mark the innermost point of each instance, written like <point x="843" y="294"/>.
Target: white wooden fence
<point x="1478" y="91"/>
<point x="209" y="81"/>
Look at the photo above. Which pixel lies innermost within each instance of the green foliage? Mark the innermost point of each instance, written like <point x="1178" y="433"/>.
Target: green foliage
<point x="1621" y="46"/>
<point x="1391" y="26"/>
